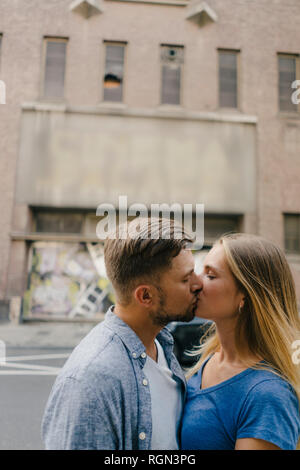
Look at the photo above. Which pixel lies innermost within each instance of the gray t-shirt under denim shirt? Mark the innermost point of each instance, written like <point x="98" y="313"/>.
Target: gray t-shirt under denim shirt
<point x="101" y="398"/>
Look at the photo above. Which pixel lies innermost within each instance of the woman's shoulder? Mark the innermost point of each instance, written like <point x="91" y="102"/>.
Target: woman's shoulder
<point x="270" y="411"/>
<point x="267" y="385"/>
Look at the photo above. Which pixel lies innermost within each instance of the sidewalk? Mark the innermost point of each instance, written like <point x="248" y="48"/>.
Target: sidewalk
<point x="44" y="334"/>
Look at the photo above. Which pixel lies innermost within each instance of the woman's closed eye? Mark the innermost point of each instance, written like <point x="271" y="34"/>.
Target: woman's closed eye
<point x="210" y="276"/>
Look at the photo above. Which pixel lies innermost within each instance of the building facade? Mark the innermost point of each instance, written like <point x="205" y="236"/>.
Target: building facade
<point x="163" y="101"/>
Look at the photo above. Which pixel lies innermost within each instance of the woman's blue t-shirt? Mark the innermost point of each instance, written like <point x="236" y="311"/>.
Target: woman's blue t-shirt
<point x="253" y="404"/>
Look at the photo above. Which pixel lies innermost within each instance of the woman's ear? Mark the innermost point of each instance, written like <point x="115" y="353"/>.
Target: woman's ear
<point x="243" y="301"/>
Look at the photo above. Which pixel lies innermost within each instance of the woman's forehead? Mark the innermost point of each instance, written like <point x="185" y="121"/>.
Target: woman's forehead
<point x="216" y="258"/>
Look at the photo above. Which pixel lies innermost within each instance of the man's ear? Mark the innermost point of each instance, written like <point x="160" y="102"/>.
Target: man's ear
<point x="143" y="295"/>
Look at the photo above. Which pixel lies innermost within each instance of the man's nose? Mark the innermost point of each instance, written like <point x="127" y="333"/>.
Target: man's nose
<point x="197" y="283"/>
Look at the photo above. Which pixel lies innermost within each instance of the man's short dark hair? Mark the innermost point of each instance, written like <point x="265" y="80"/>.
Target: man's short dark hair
<point x="139" y="256"/>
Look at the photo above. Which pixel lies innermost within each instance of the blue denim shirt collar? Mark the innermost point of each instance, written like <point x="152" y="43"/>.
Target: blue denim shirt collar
<point x="133" y="342"/>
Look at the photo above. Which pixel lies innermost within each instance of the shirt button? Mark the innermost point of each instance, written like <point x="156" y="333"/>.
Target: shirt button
<point x="142" y="436"/>
<point x="134" y="355"/>
<point x="145" y="382"/>
<point x="143" y="355"/>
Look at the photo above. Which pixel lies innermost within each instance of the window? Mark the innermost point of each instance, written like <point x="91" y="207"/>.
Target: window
<point x="171" y="64"/>
<point x="58" y="222"/>
<point x="292" y="233"/>
<point x="287" y="68"/>
<point x="0" y="48"/>
<point x="228" y="79"/>
<point x="55" y="62"/>
<point x="66" y="221"/>
<point x="2" y="84"/>
<point x="114" y="69"/>
<point x="217" y="225"/>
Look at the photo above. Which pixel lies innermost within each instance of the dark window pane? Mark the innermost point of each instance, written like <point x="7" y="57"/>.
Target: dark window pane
<point x="292" y="233"/>
<point x="287" y="75"/>
<point x="228" y="79"/>
<point x="215" y="226"/>
<point x="170" y="84"/>
<point x="113" y="78"/>
<point x="171" y="61"/>
<point x="0" y="48"/>
<point x="55" y="69"/>
<point x="58" y="222"/>
<point x="0" y="57"/>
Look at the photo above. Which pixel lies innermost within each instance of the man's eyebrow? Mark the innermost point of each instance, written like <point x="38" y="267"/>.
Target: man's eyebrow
<point x="189" y="272"/>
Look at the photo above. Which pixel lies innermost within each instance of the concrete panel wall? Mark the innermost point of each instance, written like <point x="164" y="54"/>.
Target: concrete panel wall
<point x="82" y="160"/>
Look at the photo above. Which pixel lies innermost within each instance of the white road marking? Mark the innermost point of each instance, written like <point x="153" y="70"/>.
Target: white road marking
<point x="29" y="366"/>
<point x="27" y="372"/>
<point x="41" y="356"/>
<point x="31" y="369"/>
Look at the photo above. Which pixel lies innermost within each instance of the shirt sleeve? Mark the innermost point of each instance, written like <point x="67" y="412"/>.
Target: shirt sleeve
<point x="271" y="412"/>
<point x="76" y="418"/>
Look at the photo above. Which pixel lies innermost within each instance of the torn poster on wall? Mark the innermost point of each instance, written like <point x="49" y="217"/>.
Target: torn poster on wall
<point x="67" y="280"/>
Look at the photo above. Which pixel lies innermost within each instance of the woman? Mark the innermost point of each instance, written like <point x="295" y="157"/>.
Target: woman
<point x="244" y="393"/>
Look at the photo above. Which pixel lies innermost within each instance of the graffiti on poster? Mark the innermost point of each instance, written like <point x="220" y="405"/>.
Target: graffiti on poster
<point x="67" y="280"/>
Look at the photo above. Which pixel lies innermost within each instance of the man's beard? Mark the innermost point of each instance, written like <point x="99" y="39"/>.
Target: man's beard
<point x="161" y="317"/>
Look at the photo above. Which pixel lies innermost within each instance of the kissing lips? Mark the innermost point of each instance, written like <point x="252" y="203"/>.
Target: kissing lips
<point x="195" y="304"/>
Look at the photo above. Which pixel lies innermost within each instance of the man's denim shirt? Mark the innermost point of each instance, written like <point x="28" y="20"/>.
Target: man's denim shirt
<point x="99" y="400"/>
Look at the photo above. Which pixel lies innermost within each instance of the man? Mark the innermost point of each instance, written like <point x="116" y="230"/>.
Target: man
<point x="122" y="387"/>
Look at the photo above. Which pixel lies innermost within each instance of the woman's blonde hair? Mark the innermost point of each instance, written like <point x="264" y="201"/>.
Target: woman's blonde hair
<point x="269" y="321"/>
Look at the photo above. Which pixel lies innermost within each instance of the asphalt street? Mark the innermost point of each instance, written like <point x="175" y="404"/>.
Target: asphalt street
<point x="26" y="381"/>
<point x="34" y="355"/>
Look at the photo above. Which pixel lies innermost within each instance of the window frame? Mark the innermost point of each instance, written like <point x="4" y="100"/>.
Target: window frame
<point x="237" y="53"/>
<point x="181" y="69"/>
<point x="62" y="215"/>
<point x="47" y="39"/>
<point x="297" y="69"/>
<point x="124" y="44"/>
<point x="1" y="49"/>
<point x="287" y="251"/>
